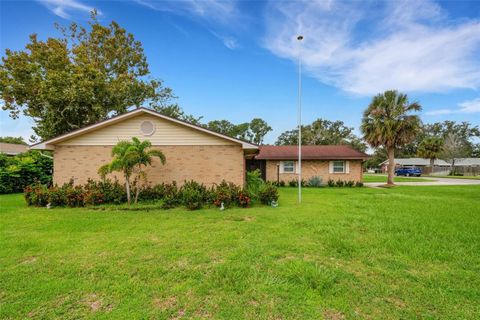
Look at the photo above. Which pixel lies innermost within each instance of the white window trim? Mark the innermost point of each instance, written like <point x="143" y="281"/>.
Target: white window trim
<point x="346" y="167"/>
<point x="282" y="169"/>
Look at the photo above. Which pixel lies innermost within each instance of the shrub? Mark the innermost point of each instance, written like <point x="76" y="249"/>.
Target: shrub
<point x="105" y="191"/>
<point x="339" y="183"/>
<point x="243" y="199"/>
<point x="152" y="193"/>
<point x="226" y="193"/>
<point x="293" y="183"/>
<point x="170" y="196"/>
<point x="57" y="196"/>
<point x="24" y="169"/>
<point x="315" y="182"/>
<point x="268" y="193"/>
<point x="36" y="195"/>
<point x="281" y="183"/>
<point x="75" y="196"/>
<point x="349" y="183"/>
<point x="254" y="183"/>
<point x="331" y="183"/>
<point x="193" y="195"/>
<point x="359" y="184"/>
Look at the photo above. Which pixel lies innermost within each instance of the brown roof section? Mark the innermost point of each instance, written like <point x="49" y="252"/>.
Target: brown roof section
<point x="12" y="148"/>
<point x="329" y="152"/>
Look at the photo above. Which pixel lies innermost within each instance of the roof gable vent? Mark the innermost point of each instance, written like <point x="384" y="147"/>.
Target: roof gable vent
<point x="147" y="128"/>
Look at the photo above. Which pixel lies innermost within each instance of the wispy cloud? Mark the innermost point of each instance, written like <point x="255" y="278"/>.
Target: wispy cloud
<point x="63" y="8"/>
<point x="470" y="106"/>
<point x="365" y="48"/>
<point x="212" y="13"/>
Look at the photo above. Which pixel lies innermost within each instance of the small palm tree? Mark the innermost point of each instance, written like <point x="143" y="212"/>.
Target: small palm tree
<point x="129" y="157"/>
<point x="430" y="148"/>
<point x="388" y="123"/>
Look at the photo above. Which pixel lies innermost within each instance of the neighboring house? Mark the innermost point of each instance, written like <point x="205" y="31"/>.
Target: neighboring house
<point x="467" y="166"/>
<point x="12" y="149"/>
<point x="422" y="164"/>
<point x="337" y="162"/>
<point x="192" y="152"/>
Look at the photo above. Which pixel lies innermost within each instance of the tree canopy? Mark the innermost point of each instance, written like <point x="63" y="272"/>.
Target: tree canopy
<point x="323" y="132"/>
<point x="15" y="140"/>
<point x="85" y="75"/>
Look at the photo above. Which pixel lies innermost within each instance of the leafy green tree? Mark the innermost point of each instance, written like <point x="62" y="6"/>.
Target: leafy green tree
<point x="323" y="132"/>
<point x="430" y="148"/>
<point x="130" y="158"/>
<point x="24" y="169"/>
<point x="79" y="78"/>
<point x="388" y="122"/>
<point x="258" y="128"/>
<point x="464" y="131"/>
<point x="454" y="148"/>
<point x="175" y="111"/>
<point x="15" y="140"/>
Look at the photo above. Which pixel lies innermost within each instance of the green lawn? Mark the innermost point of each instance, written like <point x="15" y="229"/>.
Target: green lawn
<point x="459" y="177"/>
<point x="383" y="178"/>
<point x="399" y="253"/>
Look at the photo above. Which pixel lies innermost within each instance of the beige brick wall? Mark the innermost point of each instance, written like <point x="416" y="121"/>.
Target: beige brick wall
<point x="312" y="168"/>
<point x="205" y="164"/>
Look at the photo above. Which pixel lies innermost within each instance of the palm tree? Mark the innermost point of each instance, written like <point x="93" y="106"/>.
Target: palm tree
<point x="388" y="123"/>
<point x="430" y="148"/>
<point x="128" y="158"/>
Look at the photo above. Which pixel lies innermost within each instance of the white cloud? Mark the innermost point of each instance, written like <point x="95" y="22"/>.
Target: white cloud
<point x="471" y="106"/>
<point x="365" y="48"/>
<point x="62" y="7"/>
<point x="210" y="12"/>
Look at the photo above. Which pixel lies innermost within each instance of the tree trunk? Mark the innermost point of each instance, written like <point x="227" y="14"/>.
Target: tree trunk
<point x="391" y="165"/>
<point x="432" y="164"/>
<point x="137" y="192"/>
<point x="127" y="187"/>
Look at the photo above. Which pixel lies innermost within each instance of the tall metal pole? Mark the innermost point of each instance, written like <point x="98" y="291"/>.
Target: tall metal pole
<point x="299" y="117"/>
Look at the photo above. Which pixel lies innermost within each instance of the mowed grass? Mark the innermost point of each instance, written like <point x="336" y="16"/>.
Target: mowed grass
<point x="399" y="253"/>
<point x="383" y="178"/>
<point x="459" y="177"/>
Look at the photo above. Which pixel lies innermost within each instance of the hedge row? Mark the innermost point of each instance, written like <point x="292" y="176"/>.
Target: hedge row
<point x="191" y="194"/>
<point x="316" y="182"/>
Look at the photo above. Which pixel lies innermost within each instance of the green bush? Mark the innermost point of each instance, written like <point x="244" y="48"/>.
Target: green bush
<point x="193" y="194"/>
<point x="225" y="192"/>
<point x="24" y="169"/>
<point x="331" y="183"/>
<point x="105" y="191"/>
<point x="254" y="183"/>
<point x="315" y="182"/>
<point x="151" y="193"/>
<point x="293" y="183"/>
<point x="340" y="183"/>
<point x="244" y="199"/>
<point x="359" y="184"/>
<point x="281" y="183"/>
<point x="268" y="194"/>
<point x="36" y="195"/>
<point x="171" y="197"/>
<point x="349" y="183"/>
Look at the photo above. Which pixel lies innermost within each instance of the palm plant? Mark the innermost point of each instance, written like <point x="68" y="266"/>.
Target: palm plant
<point x="430" y="148"/>
<point x="130" y="157"/>
<point x="388" y="123"/>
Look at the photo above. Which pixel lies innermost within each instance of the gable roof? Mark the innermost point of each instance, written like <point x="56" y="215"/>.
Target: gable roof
<point x="105" y="123"/>
<point x="323" y="152"/>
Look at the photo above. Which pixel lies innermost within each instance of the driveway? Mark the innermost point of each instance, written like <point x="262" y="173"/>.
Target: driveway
<point x="436" y="182"/>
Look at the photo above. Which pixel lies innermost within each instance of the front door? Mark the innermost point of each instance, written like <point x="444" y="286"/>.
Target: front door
<point x="252" y="165"/>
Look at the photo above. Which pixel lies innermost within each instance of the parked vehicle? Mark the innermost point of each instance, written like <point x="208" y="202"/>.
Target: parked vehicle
<point x="408" y="171"/>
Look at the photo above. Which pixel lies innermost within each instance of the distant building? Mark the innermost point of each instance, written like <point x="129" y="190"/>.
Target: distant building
<point x="420" y="163"/>
<point x="12" y="149"/>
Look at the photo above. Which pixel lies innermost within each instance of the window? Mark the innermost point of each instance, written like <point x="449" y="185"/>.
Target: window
<point x="288" y="166"/>
<point x="338" y="166"/>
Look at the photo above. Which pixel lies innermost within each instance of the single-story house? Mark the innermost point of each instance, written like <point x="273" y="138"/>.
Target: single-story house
<point x="336" y="162"/>
<point x="192" y="153"/>
<point x="12" y="149"/>
<point x="422" y="164"/>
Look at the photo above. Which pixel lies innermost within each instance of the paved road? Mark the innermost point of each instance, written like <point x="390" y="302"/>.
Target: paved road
<point x="436" y="182"/>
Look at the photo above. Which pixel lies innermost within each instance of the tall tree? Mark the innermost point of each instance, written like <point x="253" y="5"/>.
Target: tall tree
<point x="253" y="131"/>
<point x="430" y="148"/>
<point x="258" y="128"/>
<point x="454" y="148"/>
<point x="79" y="78"/>
<point x="323" y="132"/>
<point x="463" y="131"/>
<point x="130" y="158"/>
<point x="388" y="122"/>
<point x="175" y="111"/>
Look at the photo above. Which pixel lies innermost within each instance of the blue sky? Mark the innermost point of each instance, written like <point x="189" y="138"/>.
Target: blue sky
<point x="236" y="60"/>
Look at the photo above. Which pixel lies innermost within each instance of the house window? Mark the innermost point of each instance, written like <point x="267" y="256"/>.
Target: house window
<point x="338" y="166"/>
<point x="288" y="166"/>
